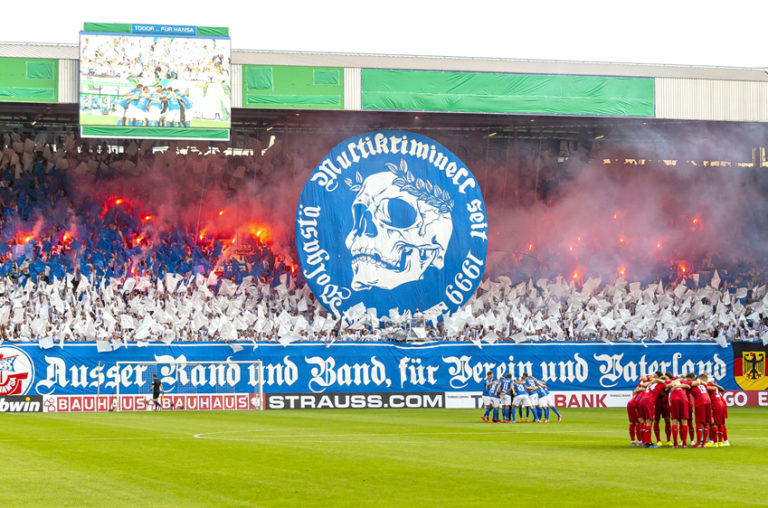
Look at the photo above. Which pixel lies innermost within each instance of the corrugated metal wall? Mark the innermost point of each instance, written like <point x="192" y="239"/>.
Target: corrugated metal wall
<point x="236" y="73"/>
<point x="352" y="89"/>
<point x="709" y="99"/>
<point x="68" y="79"/>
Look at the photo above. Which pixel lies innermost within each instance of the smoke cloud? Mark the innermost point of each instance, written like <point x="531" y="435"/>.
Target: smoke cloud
<point x="554" y="208"/>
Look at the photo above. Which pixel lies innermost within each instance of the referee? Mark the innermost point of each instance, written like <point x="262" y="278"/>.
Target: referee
<point x="157" y="389"/>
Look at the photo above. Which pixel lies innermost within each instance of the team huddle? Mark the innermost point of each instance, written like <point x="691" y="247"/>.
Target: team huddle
<point x="160" y="107"/>
<point x="676" y="400"/>
<point x="509" y="394"/>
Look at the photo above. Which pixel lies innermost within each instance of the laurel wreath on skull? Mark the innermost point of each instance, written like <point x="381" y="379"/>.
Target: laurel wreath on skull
<point x="421" y="189"/>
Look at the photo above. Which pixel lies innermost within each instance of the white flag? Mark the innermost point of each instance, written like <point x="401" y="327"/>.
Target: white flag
<point x="126" y="322"/>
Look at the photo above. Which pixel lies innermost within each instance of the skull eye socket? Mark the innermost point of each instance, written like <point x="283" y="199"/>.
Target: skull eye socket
<point x="397" y="213"/>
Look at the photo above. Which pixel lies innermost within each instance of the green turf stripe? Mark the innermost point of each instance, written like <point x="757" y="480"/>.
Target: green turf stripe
<point x="154" y="132"/>
<point x="372" y="457"/>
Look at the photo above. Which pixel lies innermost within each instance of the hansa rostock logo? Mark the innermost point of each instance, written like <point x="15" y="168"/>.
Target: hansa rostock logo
<point x="393" y="220"/>
<point x="16" y="371"/>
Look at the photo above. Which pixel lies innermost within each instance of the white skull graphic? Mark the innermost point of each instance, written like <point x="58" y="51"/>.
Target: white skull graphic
<point x="397" y="233"/>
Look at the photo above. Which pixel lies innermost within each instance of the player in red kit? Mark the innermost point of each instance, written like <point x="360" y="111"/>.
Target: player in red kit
<point x="678" y="409"/>
<point x="633" y="412"/>
<point x="648" y="406"/>
<point x="662" y="411"/>
<point x="718" y="433"/>
<point x="702" y="410"/>
<point x="690" y="378"/>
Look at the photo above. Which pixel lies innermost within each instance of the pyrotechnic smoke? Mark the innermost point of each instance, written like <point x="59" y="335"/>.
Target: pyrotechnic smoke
<point x="641" y="222"/>
<point x="210" y="196"/>
<point x="579" y="218"/>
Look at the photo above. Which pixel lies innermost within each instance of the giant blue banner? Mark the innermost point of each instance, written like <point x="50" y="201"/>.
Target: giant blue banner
<point x="314" y="368"/>
<point x="392" y="221"/>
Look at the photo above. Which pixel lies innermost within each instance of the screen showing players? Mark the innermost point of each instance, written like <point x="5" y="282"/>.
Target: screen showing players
<point x="168" y="87"/>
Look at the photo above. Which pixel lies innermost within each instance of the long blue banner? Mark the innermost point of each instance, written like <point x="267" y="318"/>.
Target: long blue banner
<point x="79" y="369"/>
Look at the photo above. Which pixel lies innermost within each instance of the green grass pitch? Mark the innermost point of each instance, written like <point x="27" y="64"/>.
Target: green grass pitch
<point x="386" y="458"/>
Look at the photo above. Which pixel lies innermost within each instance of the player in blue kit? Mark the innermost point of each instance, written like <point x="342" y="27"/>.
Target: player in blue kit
<point x="495" y="399"/>
<point x="545" y="393"/>
<point x="173" y="115"/>
<point x="186" y="109"/>
<point x="521" y="399"/>
<point x="143" y="105"/>
<point x="505" y="395"/>
<point x="543" y="405"/>
<point x="529" y="382"/>
<point x="128" y="104"/>
<point x="155" y="107"/>
<point x="491" y="401"/>
<point x="487" y="402"/>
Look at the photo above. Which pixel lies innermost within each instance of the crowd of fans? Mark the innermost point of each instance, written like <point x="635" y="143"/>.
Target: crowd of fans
<point x="182" y="58"/>
<point x="80" y="267"/>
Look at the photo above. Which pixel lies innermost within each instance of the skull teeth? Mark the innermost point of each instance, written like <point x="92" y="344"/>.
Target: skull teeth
<point x="362" y="254"/>
<point x="372" y="257"/>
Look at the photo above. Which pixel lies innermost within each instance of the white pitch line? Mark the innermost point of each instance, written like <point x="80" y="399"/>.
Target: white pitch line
<point x="258" y="436"/>
<point x="116" y="438"/>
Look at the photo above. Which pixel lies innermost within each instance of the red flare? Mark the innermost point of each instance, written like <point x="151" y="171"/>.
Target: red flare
<point x="570" y="248"/>
<point x="530" y="246"/>
<point x="259" y="232"/>
<point x="622" y="239"/>
<point x="28" y="239"/>
<point x="221" y="212"/>
<point x="622" y="270"/>
<point x="658" y="245"/>
<point x="575" y="275"/>
<point x="201" y="236"/>
<point x="696" y="224"/>
<point x="119" y="201"/>
<point x="293" y="269"/>
<point x="148" y="218"/>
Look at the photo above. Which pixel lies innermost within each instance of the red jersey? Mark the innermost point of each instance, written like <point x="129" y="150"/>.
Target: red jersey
<point x="653" y="390"/>
<point x="714" y="395"/>
<point x="700" y="395"/>
<point x="664" y="395"/>
<point x="638" y="394"/>
<point x="679" y="393"/>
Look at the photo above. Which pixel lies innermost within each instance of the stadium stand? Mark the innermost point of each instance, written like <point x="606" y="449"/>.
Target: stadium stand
<point x="85" y="262"/>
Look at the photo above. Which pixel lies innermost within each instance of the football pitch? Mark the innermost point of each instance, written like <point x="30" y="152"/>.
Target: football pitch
<point x="368" y="457"/>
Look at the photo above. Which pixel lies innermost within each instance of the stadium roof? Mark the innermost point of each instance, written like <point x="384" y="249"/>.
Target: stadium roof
<point x="353" y="60"/>
<point x="371" y="82"/>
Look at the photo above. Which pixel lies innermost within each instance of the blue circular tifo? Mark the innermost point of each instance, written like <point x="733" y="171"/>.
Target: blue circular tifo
<point x="392" y="221"/>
